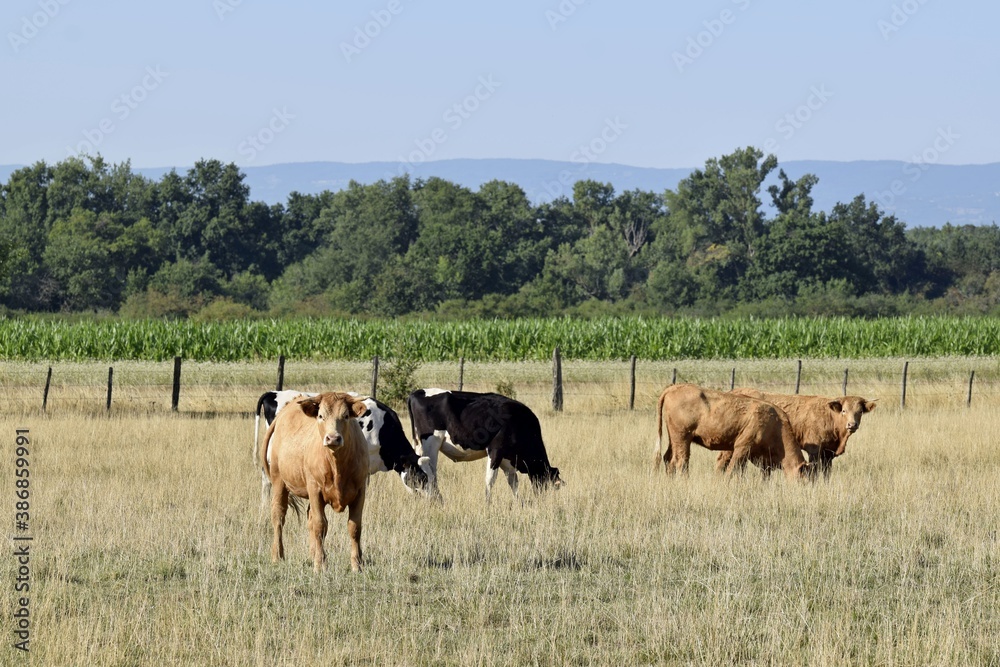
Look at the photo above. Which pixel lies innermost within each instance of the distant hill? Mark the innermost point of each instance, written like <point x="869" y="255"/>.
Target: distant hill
<point x="930" y="195"/>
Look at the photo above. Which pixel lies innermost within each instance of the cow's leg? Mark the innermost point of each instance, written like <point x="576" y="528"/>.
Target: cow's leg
<point x="741" y="454"/>
<point x="265" y="490"/>
<point x="678" y="454"/>
<point x="354" y="530"/>
<point x="511" y="472"/>
<point x="491" y="476"/>
<point x="317" y="529"/>
<point x="826" y="457"/>
<point x="428" y="449"/>
<point x="722" y="461"/>
<point x="279" y="507"/>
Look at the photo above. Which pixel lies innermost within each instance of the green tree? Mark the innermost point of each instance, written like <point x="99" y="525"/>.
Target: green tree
<point x="880" y="257"/>
<point x="719" y="210"/>
<point x="91" y="255"/>
<point x="24" y="229"/>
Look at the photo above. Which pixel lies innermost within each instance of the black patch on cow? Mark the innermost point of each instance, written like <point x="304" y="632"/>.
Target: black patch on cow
<point x="368" y="427"/>
<point x="269" y="402"/>
<point x="368" y="413"/>
<point x="394" y="449"/>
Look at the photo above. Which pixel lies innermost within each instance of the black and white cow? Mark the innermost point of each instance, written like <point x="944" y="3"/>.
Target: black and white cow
<point x="467" y="426"/>
<point x="388" y="448"/>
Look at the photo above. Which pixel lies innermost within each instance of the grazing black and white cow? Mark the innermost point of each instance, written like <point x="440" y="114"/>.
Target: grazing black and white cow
<point x="388" y="448"/>
<point x="467" y="426"/>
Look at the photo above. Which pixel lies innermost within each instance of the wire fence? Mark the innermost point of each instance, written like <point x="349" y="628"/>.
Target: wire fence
<point x="209" y="389"/>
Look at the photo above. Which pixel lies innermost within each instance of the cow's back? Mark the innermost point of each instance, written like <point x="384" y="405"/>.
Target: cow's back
<point x="810" y="417"/>
<point x="714" y="416"/>
<point x="285" y="446"/>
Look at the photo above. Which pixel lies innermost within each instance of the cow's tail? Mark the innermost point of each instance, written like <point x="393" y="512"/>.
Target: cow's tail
<point x="413" y="427"/>
<point x="297" y="504"/>
<point x="667" y="453"/>
<point x="265" y="465"/>
<point x="256" y="429"/>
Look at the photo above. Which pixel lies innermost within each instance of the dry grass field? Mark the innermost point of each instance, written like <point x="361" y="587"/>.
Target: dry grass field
<point x="150" y="546"/>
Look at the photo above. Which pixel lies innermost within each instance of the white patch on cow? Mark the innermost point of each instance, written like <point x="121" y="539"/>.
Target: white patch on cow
<point x="427" y="449"/>
<point x="434" y="391"/>
<point x="371" y="426"/>
<point x="283" y="398"/>
<point x="491" y="476"/>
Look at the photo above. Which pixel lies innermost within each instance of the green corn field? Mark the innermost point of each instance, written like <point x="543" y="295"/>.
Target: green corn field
<point x="499" y="340"/>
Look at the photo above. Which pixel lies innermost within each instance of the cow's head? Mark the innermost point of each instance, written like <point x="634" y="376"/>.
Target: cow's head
<point x="415" y="477"/>
<point x="849" y="410"/>
<point x="332" y="412"/>
<point x="550" y="478"/>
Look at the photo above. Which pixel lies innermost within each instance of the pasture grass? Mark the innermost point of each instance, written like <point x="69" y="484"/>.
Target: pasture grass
<point x="151" y="548"/>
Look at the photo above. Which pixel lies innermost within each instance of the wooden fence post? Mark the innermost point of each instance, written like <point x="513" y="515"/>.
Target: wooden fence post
<point x="845" y="383"/>
<point x="674" y="379"/>
<point x="557" y="383"/>
<point x="798" y="378"/>
<point x="374" y="375"/>
<point x="175" y="395"/>
<point x="461" y="372"/>
<point x="111" y="374"/>
<point x="902" y="397"/>
<point x="45" y="396"/>
<point x="631" y="392"/>
<point x="732" y="380"/>
<point x="968" y="401"/>
<point x="281" y="372"/>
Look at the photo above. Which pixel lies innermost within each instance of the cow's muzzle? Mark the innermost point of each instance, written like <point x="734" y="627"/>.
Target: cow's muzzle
<point x="333" y="441"/>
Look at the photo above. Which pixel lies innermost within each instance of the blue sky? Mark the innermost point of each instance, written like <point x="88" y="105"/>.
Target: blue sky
<point x="666" y="84"/>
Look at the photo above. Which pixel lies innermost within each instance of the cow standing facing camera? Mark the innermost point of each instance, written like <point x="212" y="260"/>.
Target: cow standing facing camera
<point x="315" y="449"/>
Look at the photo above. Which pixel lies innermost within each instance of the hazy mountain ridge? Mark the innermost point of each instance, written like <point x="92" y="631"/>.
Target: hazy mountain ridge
<point x="920" y="195"/>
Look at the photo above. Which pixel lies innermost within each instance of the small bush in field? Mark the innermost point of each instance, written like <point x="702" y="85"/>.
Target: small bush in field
<point x="506" y="388"/>
<point x="396" y="380"/>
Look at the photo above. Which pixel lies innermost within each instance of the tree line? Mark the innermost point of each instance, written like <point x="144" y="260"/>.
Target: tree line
<point x="84" y="235"/>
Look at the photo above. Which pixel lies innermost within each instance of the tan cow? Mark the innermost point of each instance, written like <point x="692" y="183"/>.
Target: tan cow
<point x="315" y="449"/>
<point x="746" y="428"/>
<point x="823" y="425"/>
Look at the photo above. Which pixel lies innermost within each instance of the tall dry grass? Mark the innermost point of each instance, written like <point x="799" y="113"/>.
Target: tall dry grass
<point x="151" y="548"/>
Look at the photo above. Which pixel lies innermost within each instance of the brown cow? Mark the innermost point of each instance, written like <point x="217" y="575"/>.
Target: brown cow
<point x="821" y="424"/>
<point x="748" y="429"/>
<point x="315" y="449"/>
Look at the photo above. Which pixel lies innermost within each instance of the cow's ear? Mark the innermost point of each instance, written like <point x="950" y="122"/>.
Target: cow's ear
<point x="359" y="409"/>
<point x="836" y="406"/>
<point x="868" y="406"/>
<point x="310" y="406"/>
